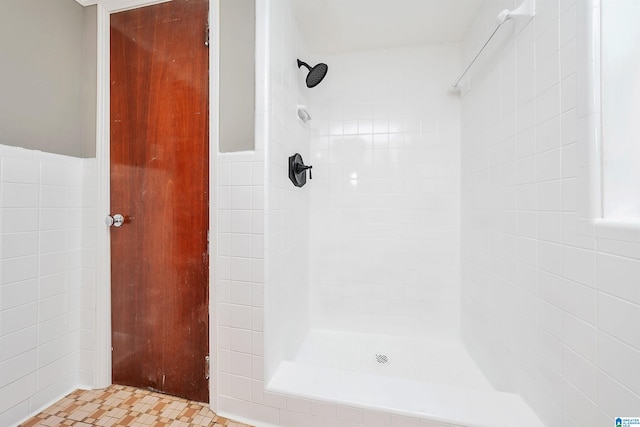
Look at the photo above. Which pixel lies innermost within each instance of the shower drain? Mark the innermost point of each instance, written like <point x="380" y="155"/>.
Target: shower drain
<point x="382" y="358"/>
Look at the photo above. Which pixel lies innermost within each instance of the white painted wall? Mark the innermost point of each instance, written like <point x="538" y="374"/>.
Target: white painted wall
<point x="237" y="75"/>
<point x="547" y="299"/>
<point x="385" y="196"/>
<point x="46" y="279"/>
<point x="45" y="79"/>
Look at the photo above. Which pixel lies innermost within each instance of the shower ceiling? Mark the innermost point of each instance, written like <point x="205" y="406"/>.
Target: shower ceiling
<point x="333" y="26"/>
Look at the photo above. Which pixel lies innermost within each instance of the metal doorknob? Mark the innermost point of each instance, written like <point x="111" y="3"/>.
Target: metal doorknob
<point x="116" y="221"/>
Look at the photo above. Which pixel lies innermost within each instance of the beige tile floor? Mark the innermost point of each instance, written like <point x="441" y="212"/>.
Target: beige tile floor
<point x="119" y="405"/>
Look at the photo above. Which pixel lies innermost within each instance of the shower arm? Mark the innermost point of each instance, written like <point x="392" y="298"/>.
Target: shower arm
<point x="301" y="63"/>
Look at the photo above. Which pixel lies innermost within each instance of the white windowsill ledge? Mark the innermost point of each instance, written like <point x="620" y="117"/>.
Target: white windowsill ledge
<point x="627" y="230"/>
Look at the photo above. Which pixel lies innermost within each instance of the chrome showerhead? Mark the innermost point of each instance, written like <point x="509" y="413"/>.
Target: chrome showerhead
<point x="316" y="74"/>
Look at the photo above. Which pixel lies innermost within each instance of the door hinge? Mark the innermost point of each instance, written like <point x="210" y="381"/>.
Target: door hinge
<point x="207" y="367"/>
<point x="206" y="35"/>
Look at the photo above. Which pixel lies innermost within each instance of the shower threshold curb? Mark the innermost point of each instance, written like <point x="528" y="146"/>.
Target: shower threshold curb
<point x="446" y="404"/>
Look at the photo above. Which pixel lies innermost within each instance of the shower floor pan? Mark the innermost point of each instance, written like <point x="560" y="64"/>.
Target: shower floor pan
<point x="433" y="379"/>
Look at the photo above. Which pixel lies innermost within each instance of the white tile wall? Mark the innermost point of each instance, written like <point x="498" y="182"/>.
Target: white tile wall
<point x="275" y="292"/>
<point x="547" y="307"/>
<point x="240" y="277"/>
<point x="385" y="196"/>
<point x="287" y="207"/>
<point x="45" y="207"/>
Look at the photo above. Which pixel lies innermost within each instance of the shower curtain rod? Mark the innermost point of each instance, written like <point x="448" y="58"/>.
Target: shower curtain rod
<point x="527" y="9"/>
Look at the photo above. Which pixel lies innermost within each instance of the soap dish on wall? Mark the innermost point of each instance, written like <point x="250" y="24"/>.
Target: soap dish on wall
<point x="303" y="113"/>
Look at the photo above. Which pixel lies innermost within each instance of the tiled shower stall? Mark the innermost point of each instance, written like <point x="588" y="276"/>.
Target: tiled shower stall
<point x="433" y="213"/>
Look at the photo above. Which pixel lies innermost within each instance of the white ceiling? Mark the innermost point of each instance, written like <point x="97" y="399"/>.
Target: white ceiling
<point x="332" y="26"/>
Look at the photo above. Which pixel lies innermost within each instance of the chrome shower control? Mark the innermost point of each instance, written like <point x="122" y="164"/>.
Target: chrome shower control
<point x="116" y="221"/>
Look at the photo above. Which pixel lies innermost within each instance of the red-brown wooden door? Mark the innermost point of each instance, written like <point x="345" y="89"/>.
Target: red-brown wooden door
<point x="159" y="183"/>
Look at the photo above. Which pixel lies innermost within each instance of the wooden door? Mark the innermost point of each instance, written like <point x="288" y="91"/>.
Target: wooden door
<point x="159" y="183"/>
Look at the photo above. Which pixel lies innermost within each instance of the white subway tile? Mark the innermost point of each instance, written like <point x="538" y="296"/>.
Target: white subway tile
<point x="376" y="419"/>
<point x="578" y="406"/>
<point x="55" y="262"/>
<point x="20" y="170"/>
<point x="52" y="373"/>
<point x="296" y="404"/>
<point x="569" y="127"/>
<point x="550" y="319"/>
<point x="19" y="269"/>
<point x="618" y="276"/>
<point x="55" y="218"/>
<point x="240" y="364"/>
<point x="241" y="173"/>
<point x="404" y="421"/>
<point x="548" y="73"/>
<point x="347" y="413"/>
<point x="550" y="195"/>
<point x="19" y="245"/>
<point x="549" y="165"/>
<point x="619" y="360"/>
<point x="548" y="104"/>
<point x="17" y="367"/>
<point x="19" y="220"/>
<point x="240" y="245"/>
<point x="53" y="285"/>
<point x="240" y="293"/>
<point x="18" y="342"/>
<point x="19" y="195"/>
<point x="549" y="135"/>
<point x="240" y="340"/>
<point x="580" y="337"/>
<point x="569" y="93"/>
<point x="568" y="59"/>
<point x="295" y="419"/>
<point x="52" y="196"/>
<point x="580" y="301"/>
<point x="550" y="226"/>
<point x="550" y="257"/>
<point x="614" y="398"/>
<point x="52" y="329"/>
<point x="18" y="412"/>
<point x="241" y="221"/>
<point x="568" y="24"/>
<point x="319" y="421"/>
<point x="579" y="265"/>
<point x="18" y="293"/>
<point x="240" y="197"/>
<point x="614" y="316"/>
<point x="240" y="316"/>
<point x="54" y="306"/>
<point x="57" y="173"/>
<point x="581" y="373"/>
<point x="16" y="392"/>
<point x="264" y="414"/>
<point x="547" y="37"/>
<point x="240" y="269"/>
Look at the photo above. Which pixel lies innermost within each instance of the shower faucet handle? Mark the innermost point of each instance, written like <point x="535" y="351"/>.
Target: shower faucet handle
<point x="301" y="168"/>
<point x="298" y="170"/>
